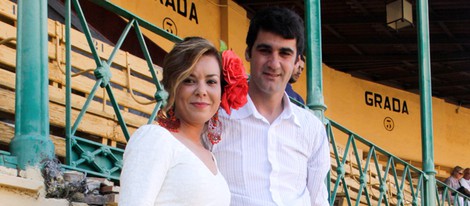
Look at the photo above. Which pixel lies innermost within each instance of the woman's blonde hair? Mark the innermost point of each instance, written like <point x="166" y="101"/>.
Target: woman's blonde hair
<point x="457" y="169"/>
<point x="180" y="62"/>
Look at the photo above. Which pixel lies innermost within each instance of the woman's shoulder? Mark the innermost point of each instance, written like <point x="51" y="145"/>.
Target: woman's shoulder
<point x="152" y="128"/>
<point x="151" y="134"/>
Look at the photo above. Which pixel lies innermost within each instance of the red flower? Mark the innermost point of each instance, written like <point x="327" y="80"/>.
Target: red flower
<point x="234" y="95"/>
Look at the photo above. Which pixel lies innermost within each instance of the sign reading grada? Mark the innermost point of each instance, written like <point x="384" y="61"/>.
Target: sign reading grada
<point x="183" y="8"/>
<point x="384" y="102"/>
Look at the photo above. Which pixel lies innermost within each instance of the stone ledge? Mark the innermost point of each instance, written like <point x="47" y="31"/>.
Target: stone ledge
<point x="21" y="184"/>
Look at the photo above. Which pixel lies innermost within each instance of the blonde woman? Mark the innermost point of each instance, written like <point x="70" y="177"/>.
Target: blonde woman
<point x="167" y="164"/>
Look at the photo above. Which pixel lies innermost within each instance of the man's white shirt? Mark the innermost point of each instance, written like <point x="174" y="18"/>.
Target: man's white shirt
<point x="465" y="183"/>
<point x="283" y="163"/>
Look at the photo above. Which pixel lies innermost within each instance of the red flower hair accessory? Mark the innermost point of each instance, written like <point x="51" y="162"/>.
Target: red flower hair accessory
<point x="234" y="95"/>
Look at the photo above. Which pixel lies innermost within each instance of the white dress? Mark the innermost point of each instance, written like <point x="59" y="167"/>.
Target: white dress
<point x="160" y="170"/>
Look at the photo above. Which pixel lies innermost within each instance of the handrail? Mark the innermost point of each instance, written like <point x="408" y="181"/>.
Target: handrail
<point x="85" y="155"/>
<point x="396" y="186"/>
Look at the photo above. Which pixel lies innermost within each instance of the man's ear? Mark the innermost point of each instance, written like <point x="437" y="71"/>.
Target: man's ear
<point x="297" y="62"/>
<point x="247" y="54"/>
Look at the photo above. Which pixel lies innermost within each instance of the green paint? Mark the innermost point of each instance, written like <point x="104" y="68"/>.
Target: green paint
<point x="314" y="58"/>
<point x="427" y="139"/>
<point x="31" y="143"/>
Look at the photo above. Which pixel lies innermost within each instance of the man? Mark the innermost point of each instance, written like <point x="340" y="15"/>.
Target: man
<point x="293" y="79"/>
<point x="273" y="152"/>
<point x="465" y="182"/>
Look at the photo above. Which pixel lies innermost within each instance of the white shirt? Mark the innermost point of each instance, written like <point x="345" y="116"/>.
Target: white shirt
<point x="453" y="182"/>
<point x="283" y="163"/>
<point x="160" y="170"/>
<point x="465" y="183"/>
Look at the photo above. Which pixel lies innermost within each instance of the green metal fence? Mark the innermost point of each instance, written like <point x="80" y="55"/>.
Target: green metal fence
<point x="365" y="174"/>
<point x="82" y="154"/>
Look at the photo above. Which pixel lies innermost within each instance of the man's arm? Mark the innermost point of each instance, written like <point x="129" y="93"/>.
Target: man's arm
<point x="464" y="184"/>
<point x="318" y="167"/>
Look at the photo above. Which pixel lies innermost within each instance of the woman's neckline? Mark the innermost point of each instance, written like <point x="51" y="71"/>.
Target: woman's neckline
<point x="214" y="173"/>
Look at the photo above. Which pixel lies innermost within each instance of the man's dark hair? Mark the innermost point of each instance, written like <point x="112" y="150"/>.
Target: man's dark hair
<point x="281" y="21"/>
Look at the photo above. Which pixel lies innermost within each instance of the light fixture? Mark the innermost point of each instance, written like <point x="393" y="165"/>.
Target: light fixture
<point x="399" y="14"/>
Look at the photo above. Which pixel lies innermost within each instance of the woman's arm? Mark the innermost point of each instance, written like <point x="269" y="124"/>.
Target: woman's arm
<point x="147" y="159"/>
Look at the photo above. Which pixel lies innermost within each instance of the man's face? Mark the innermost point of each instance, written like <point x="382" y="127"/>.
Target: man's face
<point x="297" y="71"/>
<point x="466" y="175"/>
<point x="272" y="62"/>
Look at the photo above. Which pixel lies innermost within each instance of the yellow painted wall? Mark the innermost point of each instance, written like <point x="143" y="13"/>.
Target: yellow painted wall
<point x="216" y="20"/>
<point x="345" y="99"/>
<point x="234" y="26"/>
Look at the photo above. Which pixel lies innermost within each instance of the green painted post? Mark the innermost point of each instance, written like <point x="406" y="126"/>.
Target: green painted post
<point x="314" y="63"/>
<point x="68" y="84"/>
<point x="31" y="143"/>
<point x="314" y="58"/>
<point x="426" y="102"/>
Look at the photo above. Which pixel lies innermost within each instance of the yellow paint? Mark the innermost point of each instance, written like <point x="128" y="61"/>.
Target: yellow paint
<point x="156" y="11"/>
<point x="216" y="20"/>
<point x="344" y="97"/>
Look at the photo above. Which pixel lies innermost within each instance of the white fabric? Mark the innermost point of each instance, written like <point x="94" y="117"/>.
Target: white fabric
<point x="465" y="183"/>
<point x="454" y="184"/>
<point x="160" y="170"/>
<point x="283" y="163"/>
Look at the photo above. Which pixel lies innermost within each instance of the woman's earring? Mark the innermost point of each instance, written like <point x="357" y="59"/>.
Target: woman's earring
<point x="168" y="121"/>
<point x="214" y="128"/>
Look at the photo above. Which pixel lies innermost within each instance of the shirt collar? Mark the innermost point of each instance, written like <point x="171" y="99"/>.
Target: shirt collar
<point x="288" y="112"/>
<point x="245" y="111"/>
<point x="250" y="109"/>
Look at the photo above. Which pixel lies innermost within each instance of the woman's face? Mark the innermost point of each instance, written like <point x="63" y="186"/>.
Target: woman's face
<point x="458" y="174"/>
<point x="197" y="98"/>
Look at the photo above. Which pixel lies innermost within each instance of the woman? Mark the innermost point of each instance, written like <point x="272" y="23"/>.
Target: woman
<point x="168" y="164"/>
<point x="453" y="182"/>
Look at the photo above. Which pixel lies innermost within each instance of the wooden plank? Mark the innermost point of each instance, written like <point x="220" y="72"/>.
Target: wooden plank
<point x="8" y="9"/>
<point x="91" y="124"/>
<point x="7" y="79"/>
<point x="7" y="31"/>
<point x="85" y="84"/>
<point x="123" y="59"/>
<point x="57" y="96"/>
<point x="124" y="98"/>
<point x="350" y="156"/>
<point x="7" y="56"/>
<point x="81" y="62"/>
<point x="104" y="50"/>
<point x="119" y="77"/>
<point x="8" y="132"/>
<point x="352" y="175"/>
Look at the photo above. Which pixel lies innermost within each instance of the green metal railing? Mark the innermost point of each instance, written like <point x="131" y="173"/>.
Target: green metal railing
<point x="394" y="187"/>
<point x="366" y="174"/>
<point x="85" y="155"/>
<point x="449" y="196"/>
